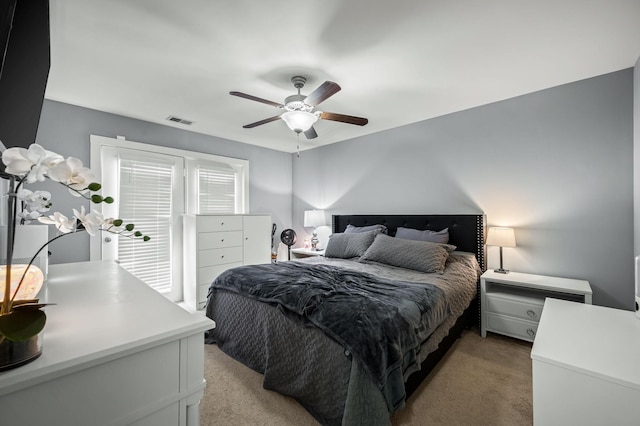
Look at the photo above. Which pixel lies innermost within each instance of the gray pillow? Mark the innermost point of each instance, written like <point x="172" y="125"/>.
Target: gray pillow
<point x="431" y="236"/>
<point x="356" y="229"/>
<point x="420" y="256"/>
<point x="346" y="246"/>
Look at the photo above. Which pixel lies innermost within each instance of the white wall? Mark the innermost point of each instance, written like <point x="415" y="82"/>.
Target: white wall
<point x="556" y="165"/>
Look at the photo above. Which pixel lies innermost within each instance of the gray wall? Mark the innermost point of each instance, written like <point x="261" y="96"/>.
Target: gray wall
<point x="65" y="129"/>
<point x="636" y="157"/>
<point x="556" y="164"/>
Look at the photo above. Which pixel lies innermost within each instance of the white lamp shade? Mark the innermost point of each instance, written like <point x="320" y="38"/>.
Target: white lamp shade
<point x="502" y="237"/>
<point x="313" y="218"/>
<point x="299" y="121"/>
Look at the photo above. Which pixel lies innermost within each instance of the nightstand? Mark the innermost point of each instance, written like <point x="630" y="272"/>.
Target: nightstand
<point x="511" y="304"/>
<point x="305" y="252"/>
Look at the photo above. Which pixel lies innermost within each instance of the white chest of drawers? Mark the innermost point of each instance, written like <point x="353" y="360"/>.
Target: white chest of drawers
<point x="585" y="366"/>
<point x="215" y="243"/>
<point x="511" y="304"/>
<point x="115" y="352"/>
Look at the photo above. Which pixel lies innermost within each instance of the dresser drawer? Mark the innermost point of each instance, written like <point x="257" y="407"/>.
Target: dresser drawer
<point x="514" y="327"/>
<point x="219" y="256"/>
<point x="218" y="223"/>
<point x="207" y="274"/>
<point x="519" y="306"/>
<point x="212" y="240"/>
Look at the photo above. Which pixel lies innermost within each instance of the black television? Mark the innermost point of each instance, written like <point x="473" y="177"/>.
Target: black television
<point x="26" y="59"/>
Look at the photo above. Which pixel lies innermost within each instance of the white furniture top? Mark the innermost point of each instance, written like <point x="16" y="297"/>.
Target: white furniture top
<point x="593" y="340"/>
<point x="102" y="312"/>
<point x="307" y="252"/>
<point x="540" y="282"/>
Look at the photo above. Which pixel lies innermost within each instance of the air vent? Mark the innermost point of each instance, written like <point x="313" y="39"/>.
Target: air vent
<point x="180" y="120"/>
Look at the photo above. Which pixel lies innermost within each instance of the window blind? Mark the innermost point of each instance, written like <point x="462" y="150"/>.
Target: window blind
<point x="216" y="189"/>
<point x="146" y="200"/>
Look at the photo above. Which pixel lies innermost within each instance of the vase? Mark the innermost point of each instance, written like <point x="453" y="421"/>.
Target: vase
<point x="16" y="354"/>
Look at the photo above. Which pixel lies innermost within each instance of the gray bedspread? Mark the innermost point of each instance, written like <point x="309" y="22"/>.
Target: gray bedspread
<point x="382" y="322"/>
<point x="302" y="361"/>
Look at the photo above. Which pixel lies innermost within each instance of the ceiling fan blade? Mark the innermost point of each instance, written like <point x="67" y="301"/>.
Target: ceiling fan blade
<point x="311" y="133"/>
<point x="349" y="119"/>
<point x="261" y="122"/>
<point x="257" y="99"/>
<point x="327" y="89"/>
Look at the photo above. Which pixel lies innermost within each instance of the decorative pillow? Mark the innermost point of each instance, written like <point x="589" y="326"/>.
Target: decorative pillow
<point x="420" y="256"/>
<point x="356" y="229"/>
<point x="346" y="246"/>
<point x="431" y="236"/>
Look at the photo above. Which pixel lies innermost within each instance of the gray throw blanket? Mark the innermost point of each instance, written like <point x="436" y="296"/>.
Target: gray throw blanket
<point x="381" y="322"/>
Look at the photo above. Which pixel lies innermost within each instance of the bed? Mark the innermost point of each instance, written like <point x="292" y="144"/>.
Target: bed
<point x="345" y="373"/>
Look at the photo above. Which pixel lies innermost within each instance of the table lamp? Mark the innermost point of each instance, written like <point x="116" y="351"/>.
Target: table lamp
<point x="501" y="237"/>
<point x="313" y="219"/>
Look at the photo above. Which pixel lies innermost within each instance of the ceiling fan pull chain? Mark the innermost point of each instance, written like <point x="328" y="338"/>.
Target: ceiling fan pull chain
<point x="298" y="145"/>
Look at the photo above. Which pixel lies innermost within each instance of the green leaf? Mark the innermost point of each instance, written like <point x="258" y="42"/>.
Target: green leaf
<point x="129" y="227"/>
<point x="95" y="186"/>
<point x="21" y="325"/>
<point x="138" y="234"/>
<point x="146" y="238"/>
<point x="108" y="200"/>
<point x="96" y="198"/>
<point x="117" y="222"/>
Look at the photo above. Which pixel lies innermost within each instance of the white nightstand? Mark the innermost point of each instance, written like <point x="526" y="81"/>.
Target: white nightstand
<point x="511" y="304"/>
<point x="305" y="252"/>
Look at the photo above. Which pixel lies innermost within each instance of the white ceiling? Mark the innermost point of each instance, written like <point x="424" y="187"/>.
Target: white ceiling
<point x="397" y="61"/>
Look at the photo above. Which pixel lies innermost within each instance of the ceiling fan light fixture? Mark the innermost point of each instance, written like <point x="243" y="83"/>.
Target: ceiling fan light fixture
<point x="299" y="121"/>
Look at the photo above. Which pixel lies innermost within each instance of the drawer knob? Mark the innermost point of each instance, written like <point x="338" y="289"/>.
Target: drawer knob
<point x="222" y="240"/>
<point x="222" y="257"/>
<point x="530" y="332"/>
<point x="531" y="313"/>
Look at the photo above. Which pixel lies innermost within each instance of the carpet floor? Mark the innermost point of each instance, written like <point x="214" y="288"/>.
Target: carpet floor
<point x="479" y="382"/>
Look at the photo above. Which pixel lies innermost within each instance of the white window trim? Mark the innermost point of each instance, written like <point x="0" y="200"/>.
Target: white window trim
<point x="191" y="159"/>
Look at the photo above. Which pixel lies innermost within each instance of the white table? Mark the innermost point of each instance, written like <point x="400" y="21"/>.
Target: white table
<point x="586" y="366"/>
<point x="115" y="352"/>
<point x="306" y="252"/>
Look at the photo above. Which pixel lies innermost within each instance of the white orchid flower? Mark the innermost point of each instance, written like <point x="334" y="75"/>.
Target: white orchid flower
<point x="72" y="173"/>
<point x="91" y="221"/>
<point x="28" y="216"/>
<point x="61" y="222"/>
<point x="36" y="201"/>
<point x="34" y="162"/>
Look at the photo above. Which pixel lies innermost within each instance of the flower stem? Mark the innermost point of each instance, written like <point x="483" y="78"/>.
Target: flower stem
<point x="11" y="204"/>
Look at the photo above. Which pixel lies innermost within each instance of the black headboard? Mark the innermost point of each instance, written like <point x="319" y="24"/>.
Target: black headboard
<point x="466" y="231"/>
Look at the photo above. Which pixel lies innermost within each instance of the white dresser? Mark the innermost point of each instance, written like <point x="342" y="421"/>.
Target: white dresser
<point x="115" y="352"/>
<point x="215" y="243"/>
<point x="586" y="366"/>
<point x="511" y="304"/>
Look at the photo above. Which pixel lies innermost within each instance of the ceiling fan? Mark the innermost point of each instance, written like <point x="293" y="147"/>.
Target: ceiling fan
<point x="300" y="114"/>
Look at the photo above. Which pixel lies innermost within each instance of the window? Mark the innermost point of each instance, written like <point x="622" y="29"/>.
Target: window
<point x="153" y="187"/>
<point x="218" y="187"/>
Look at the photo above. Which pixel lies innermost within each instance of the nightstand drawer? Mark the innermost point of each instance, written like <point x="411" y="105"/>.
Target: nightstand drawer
<point x="520" y="306"/>
<point x="514" y="327"/>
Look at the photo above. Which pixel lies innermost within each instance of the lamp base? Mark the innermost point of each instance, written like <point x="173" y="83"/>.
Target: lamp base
<point x="501" y="271"/>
